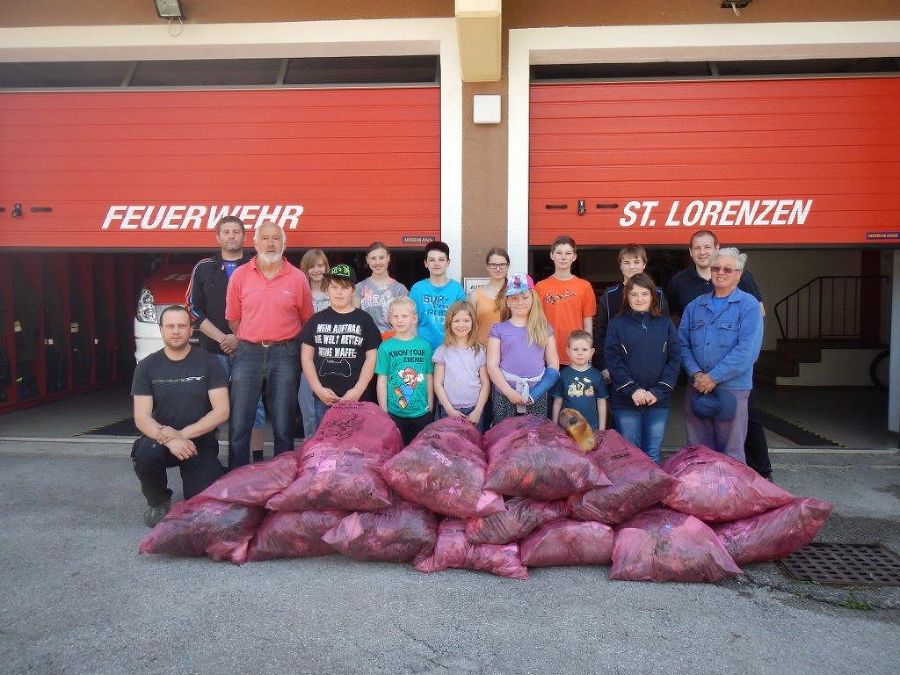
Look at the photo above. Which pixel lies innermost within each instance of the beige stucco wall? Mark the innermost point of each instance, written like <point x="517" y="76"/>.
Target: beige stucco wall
<point x="516" y="13"/>
<point x="106" y="12"/>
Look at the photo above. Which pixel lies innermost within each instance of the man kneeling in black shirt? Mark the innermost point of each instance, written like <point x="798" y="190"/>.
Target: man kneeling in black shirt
<point x="180" y="397"/>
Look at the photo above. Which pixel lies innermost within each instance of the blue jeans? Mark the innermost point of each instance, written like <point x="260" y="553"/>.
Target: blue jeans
<point x="260" y="421"/>
<point x="643" y="427"/>
<point x="319" y="410"/>
<point x="308" y="400"/>
<point x="254" y="369"/>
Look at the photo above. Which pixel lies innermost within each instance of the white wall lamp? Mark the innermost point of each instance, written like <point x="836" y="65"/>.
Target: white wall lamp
<point x="486" y="109"/>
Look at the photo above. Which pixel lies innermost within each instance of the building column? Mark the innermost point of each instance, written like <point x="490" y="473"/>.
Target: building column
<point x="894" y="393"/>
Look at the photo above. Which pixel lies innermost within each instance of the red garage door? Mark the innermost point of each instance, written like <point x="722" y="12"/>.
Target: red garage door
<point x="765" y="161"/>
<point x="145" y="170"/>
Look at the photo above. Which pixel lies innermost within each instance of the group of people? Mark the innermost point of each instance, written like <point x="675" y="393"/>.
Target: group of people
<point x="276" y="334"/>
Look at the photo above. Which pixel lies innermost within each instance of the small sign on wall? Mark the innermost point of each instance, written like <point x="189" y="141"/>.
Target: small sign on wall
<point x="471" y="283"/>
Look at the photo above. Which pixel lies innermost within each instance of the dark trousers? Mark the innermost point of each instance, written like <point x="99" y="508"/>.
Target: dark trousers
<point x="410" y="426"/>
<point x="254" y="369"/>
<point x="756" y="449"/>
<point x="150" y="460"/>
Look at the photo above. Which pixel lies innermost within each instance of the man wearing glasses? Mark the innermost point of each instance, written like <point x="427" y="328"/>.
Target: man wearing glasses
<point x="720" y="335"/>
<point x="695" y="281"/>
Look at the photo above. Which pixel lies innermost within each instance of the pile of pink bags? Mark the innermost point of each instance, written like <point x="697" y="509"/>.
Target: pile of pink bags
<point x="523" y="495"/>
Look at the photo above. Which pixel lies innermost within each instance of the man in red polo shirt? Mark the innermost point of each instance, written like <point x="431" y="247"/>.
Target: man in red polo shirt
<point x="267" y="303"/>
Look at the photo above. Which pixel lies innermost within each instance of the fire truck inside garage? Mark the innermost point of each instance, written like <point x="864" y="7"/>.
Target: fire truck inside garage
<point x="122" y="169"/>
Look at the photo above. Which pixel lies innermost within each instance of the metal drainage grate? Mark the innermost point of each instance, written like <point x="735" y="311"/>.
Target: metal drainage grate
<point x="844" y="565"/>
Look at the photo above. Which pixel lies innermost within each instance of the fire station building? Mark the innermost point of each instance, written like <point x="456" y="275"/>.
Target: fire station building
<point x="126" y="134"/>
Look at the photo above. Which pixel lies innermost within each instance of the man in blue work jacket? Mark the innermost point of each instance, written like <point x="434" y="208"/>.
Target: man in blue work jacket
<point x="721" y="335"/>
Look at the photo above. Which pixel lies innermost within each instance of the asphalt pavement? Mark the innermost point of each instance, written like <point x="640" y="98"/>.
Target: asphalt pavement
<point x="77" y="598"/>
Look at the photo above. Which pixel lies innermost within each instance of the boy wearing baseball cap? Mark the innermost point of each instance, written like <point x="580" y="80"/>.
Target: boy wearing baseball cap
<point x="339" y="345"/>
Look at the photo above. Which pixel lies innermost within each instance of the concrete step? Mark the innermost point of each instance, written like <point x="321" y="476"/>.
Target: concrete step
<point x="762" y="377"/>
<point x="837" y="368"/>
<point x="773" y="363"/>
<point x="810" y="352"/>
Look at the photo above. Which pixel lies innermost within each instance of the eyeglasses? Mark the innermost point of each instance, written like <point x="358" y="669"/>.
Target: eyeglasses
<point x="727" y="270"/>
<point x="498" y="266"/>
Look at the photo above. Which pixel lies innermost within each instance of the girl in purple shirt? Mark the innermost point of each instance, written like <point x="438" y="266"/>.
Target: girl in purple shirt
<point x="461" y="382"/>
<point x="521" y="356"/>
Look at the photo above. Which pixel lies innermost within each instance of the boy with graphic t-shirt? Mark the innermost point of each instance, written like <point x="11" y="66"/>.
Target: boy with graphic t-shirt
<point x="568" y="301"/>
<point x="404" y="370"/>
<point x="581" y="386"/>
<point x="338" y="346"/>
<point x="434" y="295"/>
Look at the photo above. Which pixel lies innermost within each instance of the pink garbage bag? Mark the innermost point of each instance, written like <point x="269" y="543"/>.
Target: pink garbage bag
<point x="453" y="551"/>
<point x="255" y="484"/>
<point x="202" y="526"/>
<point x="520" y="518"/>
<point x="443" y="470"/>
<point x="339" y="465"/>
<point x="663" y="545"/>
<point x="511" y="425"/>
<point x="294" y="534"/>
<point x="403" y="533"/>
<point x="716" y="488"/>
<point x="774" y="534"/>
<point x="460" y="426"/>
<point x="568" y="542"/>
<point x="637" y="483"/>
<point x="532" y="457"/>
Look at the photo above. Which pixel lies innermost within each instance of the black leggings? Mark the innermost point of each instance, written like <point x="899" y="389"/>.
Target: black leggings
<point x="410" y="426"/>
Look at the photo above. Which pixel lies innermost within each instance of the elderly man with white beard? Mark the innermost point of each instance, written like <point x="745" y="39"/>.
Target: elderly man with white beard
<point x="721" y="335"/>
<point x="267" y="303"/>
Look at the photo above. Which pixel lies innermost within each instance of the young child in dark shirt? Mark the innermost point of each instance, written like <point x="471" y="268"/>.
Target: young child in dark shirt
<point x="580" y="385"/>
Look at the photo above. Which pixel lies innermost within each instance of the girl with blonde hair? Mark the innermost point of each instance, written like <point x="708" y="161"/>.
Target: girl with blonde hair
<point x="461" y="381"/>
<point x="522" y="359"/>
<point x="314" y="264"/>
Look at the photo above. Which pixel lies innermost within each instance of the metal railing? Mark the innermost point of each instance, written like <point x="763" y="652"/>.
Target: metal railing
<point x="826" y="308"/>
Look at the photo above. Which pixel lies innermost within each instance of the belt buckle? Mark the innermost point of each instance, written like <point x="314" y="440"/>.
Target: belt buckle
<point x="267" y="343"/>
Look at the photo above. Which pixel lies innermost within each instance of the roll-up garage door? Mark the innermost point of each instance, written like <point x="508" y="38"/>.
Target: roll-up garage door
<point x="155" y="170"/>
<point x="792" y="161"/>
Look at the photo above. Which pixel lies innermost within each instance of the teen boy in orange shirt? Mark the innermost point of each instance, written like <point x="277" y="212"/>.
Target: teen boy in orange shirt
<point x="568" y="301"/>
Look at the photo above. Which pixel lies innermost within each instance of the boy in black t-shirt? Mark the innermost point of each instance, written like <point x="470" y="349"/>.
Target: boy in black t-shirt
<point x="180" y="397"/>
<point x="339" y="345"/>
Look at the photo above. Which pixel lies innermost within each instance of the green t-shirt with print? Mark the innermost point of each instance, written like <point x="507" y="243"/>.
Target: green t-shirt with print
<point x="405" y="363"/>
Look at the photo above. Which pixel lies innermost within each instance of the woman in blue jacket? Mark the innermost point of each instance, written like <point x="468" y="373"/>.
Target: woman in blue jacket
<point x="643" y="356"/>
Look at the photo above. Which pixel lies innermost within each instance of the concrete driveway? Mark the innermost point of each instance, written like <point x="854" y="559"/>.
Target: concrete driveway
<point x="76" y="597"/>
